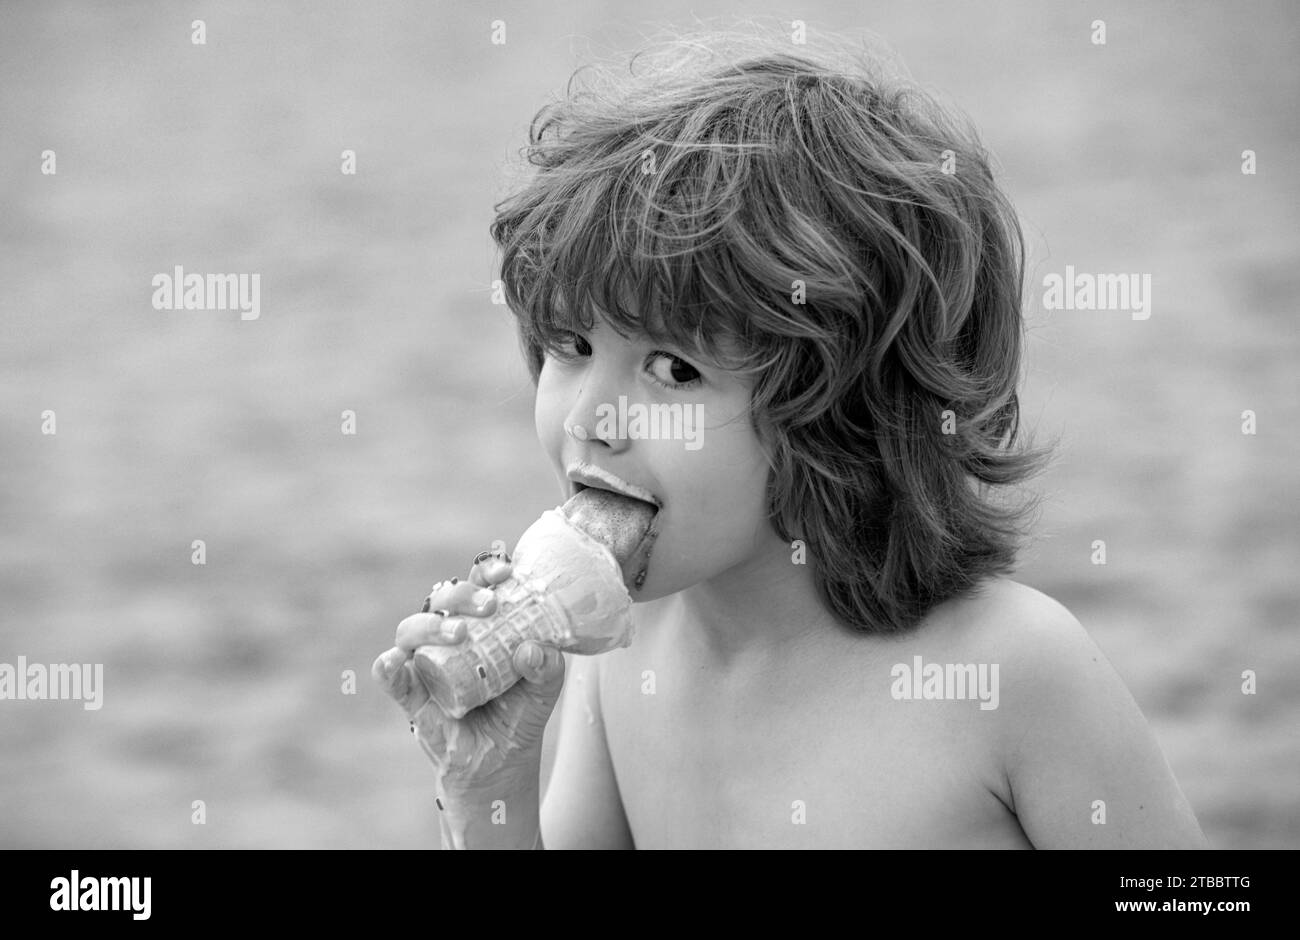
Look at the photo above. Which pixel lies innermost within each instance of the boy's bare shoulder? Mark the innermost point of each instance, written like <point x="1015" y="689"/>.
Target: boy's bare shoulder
<point x="1067" y="729"/>
<point x="1012" y="620"/>
<point x="1054" y="682"/>
<point x="1043" y="653"/>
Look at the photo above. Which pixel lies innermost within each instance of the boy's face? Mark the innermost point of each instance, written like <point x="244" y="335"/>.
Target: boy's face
<point x="709" y="479"/>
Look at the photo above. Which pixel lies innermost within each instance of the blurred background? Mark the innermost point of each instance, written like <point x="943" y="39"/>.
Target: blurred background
<point x="224" y="682"/>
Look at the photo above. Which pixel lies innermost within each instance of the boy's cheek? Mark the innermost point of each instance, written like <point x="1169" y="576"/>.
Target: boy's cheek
<point x="549" y="424"/>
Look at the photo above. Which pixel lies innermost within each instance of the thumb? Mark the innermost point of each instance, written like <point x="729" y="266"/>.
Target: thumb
<point x="541" y="666"/>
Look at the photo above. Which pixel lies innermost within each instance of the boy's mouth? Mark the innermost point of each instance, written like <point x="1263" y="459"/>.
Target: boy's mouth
<point x="575" y="488"/>
<point x="584" y="475"/>
<point x="623" y="524"/>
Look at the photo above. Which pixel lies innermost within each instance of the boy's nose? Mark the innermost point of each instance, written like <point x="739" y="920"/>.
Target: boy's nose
<point x="594" y="417"/>
<point x="577" y="432"/>
<point x="597" y="429"/>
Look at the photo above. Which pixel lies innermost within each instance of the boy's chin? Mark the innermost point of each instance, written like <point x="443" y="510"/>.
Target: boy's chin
<point x="657" y="585"/>
<point x="650" y="591"/>
<point x="664" y="583"/>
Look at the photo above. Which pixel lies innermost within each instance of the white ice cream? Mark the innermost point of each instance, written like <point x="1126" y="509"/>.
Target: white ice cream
<point x="579" y="574"/>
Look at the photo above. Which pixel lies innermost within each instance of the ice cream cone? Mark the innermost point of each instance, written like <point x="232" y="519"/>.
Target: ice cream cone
<point x="569" y="588"/>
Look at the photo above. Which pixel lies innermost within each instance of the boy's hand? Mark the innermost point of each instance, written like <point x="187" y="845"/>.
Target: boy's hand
<point x="496" y="748"/>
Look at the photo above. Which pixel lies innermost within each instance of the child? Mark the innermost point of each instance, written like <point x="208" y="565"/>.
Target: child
<point x="817" y="260"/>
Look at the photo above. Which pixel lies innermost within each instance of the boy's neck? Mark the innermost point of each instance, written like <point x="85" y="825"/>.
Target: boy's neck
<point x="764" y="607"/>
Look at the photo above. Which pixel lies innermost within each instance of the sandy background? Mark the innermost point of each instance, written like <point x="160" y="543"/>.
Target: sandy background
<point x="223" y="682"/>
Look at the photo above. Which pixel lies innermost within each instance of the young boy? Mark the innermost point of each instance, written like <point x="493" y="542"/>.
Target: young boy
<point x="817" y="260"/>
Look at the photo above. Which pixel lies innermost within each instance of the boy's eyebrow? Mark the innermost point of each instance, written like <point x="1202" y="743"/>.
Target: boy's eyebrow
<point x="726" y="346"/>
<point x="646" y="329"/>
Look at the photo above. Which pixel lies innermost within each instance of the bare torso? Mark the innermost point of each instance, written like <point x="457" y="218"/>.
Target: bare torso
<point x="805" y="750"/>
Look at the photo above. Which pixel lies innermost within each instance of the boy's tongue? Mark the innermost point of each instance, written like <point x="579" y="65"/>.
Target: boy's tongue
<point x="622" y="524"/>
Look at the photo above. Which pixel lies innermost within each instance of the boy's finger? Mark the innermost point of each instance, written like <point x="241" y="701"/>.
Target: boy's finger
<point x="393" y="671"/>
<point x="382" y="669"/>
<point x="462" y="597"/>
<point x="540" y="665"/>
<point x="489" y="570"/>
<point x="432" y="629"/>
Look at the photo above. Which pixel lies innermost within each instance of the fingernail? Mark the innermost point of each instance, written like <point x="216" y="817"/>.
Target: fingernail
<point x="482" y="596"/>
<point x="441" y="613"/>
<point x="483" y="556"/>
<point x="535" y="657"/>
<point x="453" y="629"/>
<point x="392" y="662"/>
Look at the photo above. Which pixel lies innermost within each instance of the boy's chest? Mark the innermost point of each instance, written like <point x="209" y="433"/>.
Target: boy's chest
<point x="814" y="756"/>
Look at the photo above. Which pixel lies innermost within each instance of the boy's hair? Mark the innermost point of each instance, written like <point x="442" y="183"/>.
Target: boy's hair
<point x="846" y="235"/>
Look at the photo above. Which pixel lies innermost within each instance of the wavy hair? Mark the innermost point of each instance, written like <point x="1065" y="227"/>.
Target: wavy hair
<point x="845" y="233"/>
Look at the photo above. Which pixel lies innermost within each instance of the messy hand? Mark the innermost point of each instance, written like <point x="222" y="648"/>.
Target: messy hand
<point x="495" y="748"/>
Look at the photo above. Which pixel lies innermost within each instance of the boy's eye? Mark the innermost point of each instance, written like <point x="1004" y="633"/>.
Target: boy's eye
<point x="665" y="369"/>
<point x="569" y="344"/>
<point x="677" y="373"/>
